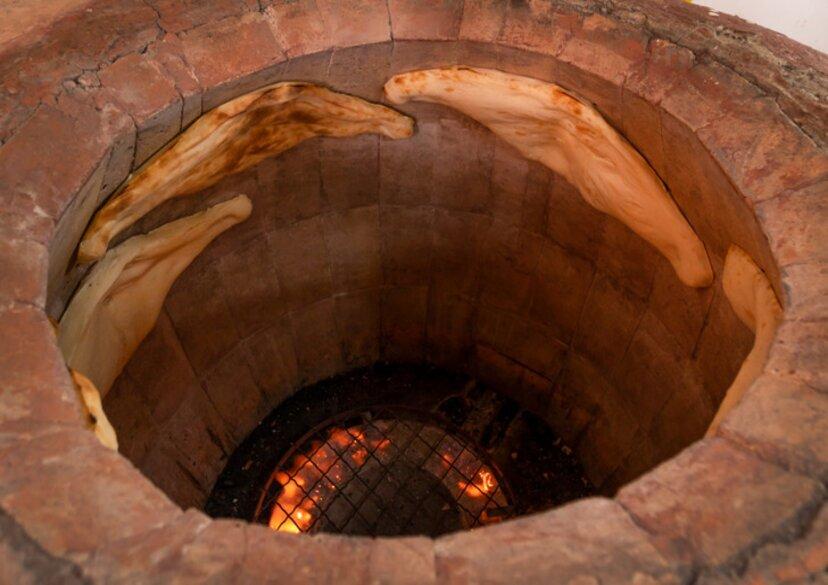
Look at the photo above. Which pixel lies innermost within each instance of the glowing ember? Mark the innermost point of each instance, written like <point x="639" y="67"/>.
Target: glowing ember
<point x="365" y="474"/>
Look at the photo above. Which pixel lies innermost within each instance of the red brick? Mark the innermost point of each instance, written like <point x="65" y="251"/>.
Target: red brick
<point x="183" y="15"/>
<point x="353" y="241"/>
<point x="139" y="86"/>
<point x="763" y="152"/>
<point x="800" y="350"/>
<point x="561" y="287"/>
<point x="755" y="502"/>
<point x="271" y="358"/>
<point x="317" y="342"/>
<point x="36" y="386"/>
<point x="482" y="20"/>
<point x="358" y="324"/>
<point x="783" y="421"/>
<point x="302" y="262"/>
<point x="406" y="244"/>
<point x="169" y="54"/>
<point x="425" y="19"/>
<point x="200" y="313"/>
<point x="350" y="171"/>
<point x="537" y="27"/>
<point x="23" y="264"/>
<point x="797" y="225"/>
<point x="458" y="240"/>
<point x="610" y="317"/>
<point x="356" y="22"/>
<point x="403" y="323"/>
<point x="592" y="540"/>
<point x="603" y="47"/>
<point x="230" y="56"/>
<point x="653" y="77"/>
<point x="298" y="27"/>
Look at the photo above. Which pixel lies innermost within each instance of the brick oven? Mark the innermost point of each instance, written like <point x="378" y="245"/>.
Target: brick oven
<point x="399" y="291"/>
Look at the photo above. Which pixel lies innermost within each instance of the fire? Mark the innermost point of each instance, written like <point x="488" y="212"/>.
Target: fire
<point x="311" y="481"/>
<point x="483" y="484"/>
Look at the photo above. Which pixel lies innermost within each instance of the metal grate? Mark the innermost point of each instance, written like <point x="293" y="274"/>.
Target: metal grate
<point x="382" y="473"/>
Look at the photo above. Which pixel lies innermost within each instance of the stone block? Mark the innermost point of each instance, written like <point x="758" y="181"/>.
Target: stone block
<point x="316" y="341"/>
<point x="302" y="262"/>
<point x="23" y="264"/>
<point x="298" y="27"/>
<point x="200" y="313"/>
<point x="805" y="290"/>
<point x="562" y="282"/>
<point x="139" y="85"/>
<point x="482" y="20"/>
<point x="795" y="225"/>
<point x="232" y="56"/>
<point x="271" y="358"/>
<point x="458" y="241"/>
<point x="354" y="242"/>
<point x="350" y="171"/>
<point x="756" y="502"/>
<point x="610" y="317"/>
<point x="510" y="258"/>
<point x="358" y="324"/>
<point x="783" y="421"/>
<point x="404" y="313"/>
<point x="800" y="350"/>
<point x="425" y="19"/>
<point x="590" y="541"/>
<point x="356" y="22"/>
<point x="406" y="244"/>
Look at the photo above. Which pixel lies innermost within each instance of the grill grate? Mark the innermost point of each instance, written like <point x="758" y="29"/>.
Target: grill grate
<point x="385" y="472"/>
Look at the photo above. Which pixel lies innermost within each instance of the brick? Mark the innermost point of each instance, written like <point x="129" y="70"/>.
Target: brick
<point x="561" y="287"/>
<point x="259" y="302"/>
<point x="654" y="369"/>
<point x="35" y="385"/>
<point x="653" y="77"/>
<point x="755" y="502"/>
<point x="353" y="241"/>
<point x="465" y="150"/>
<point x="317" y="343"/>
<point x="356" y="22"/>
<point x="610" y="317"/>
<point x="350" y="171"/>
<point x="169" y="54"/>
<point x="403" y="318"/>
<point x="592" y="539"/>
<point x="406" y="244"/>
<point x="159" y="371"/>
<point x="298" y="27"/>
<point x="531" y="344"/>
<point x="680" y="308"/>
<point x="805" y="289"/>
<point x="182" y="15"/>
<point x="537" y="27"/>
<point x="23" y="264"/>
<point x="718" y="361"/>
<point x="763" y="152"/>
<point x="361" y="71"/>
<point x="407" y="167"/>
<point x="604" y="47"/>
<point x="457" y="245"/>
<point x="302" y="262"/>
<point x="800" y="350"/>
<point x="139" y="86"/>
<point x="232" y="56"/>
<point x="795" y="225"/>
<point x="200" y="313"/>
<point x="449" y="330"/>
<point x="271" y="358"/>
<point x="482" y="20"/>
<point x="358" y="324"/>
<point x="627" y="257"/>
<point x="571" y="222"/>
<point x="783" y="421"/>
<point x="510" y="258"/>
<point x="292" y="186"/>
<point x="425" y="19"/>
<point x="127" y="411"/>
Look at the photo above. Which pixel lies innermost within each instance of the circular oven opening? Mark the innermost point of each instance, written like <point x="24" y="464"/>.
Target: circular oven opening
<point x="409" y="450"/>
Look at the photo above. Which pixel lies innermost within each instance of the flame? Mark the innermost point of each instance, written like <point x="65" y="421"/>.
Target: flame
<point x="482" y="485"/>
<point x="312" y="477"/>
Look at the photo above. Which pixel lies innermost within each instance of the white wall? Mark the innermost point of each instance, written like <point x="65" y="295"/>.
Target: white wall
<point x="805" y="21"/>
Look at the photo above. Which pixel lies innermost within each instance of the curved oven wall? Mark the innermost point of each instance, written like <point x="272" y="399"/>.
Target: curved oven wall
<point x="437" y="248"/>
